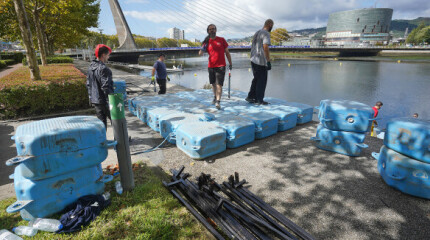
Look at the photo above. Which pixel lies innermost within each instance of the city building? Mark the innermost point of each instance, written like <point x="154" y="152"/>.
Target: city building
<point x="354" y="27"/>
<point x="176" y="33"/>
<point x="194" y="40"/>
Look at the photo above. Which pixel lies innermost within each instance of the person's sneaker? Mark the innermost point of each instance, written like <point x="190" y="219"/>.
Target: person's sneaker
<point x="214" y="101"/>
<point x="250" y="100"/>
<point x="262" y="103"/>
<point x="217" y="105"/>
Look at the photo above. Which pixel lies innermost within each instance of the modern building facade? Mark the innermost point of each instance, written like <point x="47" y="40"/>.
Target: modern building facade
<point x="176" y="33"/>
<point x="369" y="26"/>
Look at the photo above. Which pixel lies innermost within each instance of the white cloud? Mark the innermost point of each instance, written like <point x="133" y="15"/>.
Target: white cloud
<point x="239" y="18"/>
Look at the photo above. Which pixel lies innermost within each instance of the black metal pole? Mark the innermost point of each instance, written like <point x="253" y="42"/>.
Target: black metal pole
<point x="116" y="106"/>
<point x="274" y="213"/>
<point x="209" y="227"/>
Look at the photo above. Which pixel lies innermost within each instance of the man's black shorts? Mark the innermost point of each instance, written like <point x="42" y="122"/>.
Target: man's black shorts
<point x="216" y="75"/>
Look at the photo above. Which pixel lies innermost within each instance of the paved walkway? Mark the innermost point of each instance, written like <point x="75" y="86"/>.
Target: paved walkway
<point x="330" y="195"/>
<point x="9" y="69"/>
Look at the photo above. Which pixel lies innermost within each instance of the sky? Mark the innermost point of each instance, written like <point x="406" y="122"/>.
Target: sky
<point x="241" y="18"/>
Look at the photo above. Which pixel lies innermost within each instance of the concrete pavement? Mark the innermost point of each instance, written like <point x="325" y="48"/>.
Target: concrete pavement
<point x="332" y="196"/>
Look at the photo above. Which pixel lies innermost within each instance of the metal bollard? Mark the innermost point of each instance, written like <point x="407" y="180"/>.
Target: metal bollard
<point x="116" y="106"/>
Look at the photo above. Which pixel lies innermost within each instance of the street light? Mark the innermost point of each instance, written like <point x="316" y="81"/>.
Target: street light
<point x="101" y="34"/>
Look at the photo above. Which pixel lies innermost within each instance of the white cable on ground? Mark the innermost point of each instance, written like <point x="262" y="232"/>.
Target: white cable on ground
<point x="154" y="148"/>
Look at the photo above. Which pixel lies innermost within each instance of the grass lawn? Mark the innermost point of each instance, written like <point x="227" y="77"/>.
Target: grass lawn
<point x="147" y="212"/>
<point x="62" y="89"/>
<point x="50" y="73"/>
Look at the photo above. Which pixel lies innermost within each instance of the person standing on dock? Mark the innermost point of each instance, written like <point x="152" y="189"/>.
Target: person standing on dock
<point x="376" y="109"/>
<point x="260" y="63"/>
<point x="160" y="69"/>
<point x="100" y="83"/>
<point x="216" y="47"/>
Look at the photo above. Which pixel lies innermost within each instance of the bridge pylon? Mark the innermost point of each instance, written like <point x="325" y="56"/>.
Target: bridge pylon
<point x="126" y="40"/>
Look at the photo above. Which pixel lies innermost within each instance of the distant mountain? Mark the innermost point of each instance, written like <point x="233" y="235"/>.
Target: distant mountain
<point x="398" y="27"/>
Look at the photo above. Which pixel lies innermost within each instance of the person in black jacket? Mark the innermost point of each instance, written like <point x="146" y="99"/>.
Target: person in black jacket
<point x="100" y="83"/>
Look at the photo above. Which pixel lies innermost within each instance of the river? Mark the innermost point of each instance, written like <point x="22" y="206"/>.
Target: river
<point x="402" y="87"/>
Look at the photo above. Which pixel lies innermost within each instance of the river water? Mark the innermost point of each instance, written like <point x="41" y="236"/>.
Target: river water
<point x="404" y="88"/>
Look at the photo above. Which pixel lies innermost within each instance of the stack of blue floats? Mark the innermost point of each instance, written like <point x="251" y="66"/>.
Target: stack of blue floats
<point x="404" y="159"/>
<point x="189" y="120"/>
<point x="343" y="125"/>
<point x="58" y="161"/>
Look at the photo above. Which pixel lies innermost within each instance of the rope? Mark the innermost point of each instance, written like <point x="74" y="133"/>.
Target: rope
<point x="154" y="148"/>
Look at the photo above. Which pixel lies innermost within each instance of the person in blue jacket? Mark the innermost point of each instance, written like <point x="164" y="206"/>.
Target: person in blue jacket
<point x="100" y="83"/>
<point x="161" y="76"/>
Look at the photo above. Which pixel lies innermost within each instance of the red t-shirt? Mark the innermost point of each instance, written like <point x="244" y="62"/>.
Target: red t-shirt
<point x="216" y="50"/>
<point x="376" y="112"/>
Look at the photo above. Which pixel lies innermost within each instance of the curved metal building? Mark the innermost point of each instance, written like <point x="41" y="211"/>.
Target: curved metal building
<point x="368" y="26"/>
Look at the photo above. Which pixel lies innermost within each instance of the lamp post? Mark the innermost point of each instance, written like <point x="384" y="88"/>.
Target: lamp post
<point x="101" y="34"/>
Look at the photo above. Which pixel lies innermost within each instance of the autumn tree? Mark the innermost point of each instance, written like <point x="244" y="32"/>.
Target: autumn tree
<point x="27" y="39"/>
<point x="35" y="7"/>
<point x="68" y="22"/>
<point x="142" y="42"/>
<point x="279" y="35"/>
<point x="167" y="42"/>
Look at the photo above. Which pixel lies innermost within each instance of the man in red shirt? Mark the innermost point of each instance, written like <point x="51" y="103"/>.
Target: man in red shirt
<point x="375" y="108"/>
<point x="216" y="47"/>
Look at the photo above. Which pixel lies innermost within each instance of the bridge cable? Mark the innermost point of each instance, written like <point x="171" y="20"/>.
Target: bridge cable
<point x="215" y="20"/>
<point x="166" y="16"/>
<point x="245" y="21"/>
<point x="187" y="21"/>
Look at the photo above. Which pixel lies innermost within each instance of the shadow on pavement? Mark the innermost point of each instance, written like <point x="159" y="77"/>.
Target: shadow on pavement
<point x="8" y="151"/>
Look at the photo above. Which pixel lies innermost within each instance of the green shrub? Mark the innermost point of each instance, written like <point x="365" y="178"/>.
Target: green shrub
<point x="52" y="60"/>
<point x="10" y="61"/>
<point x="18" y="56"/>
<point x="7" y="62"/>
<point x="25" y="101"/>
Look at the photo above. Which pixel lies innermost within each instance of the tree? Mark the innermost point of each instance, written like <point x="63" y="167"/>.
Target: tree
<point x="63" y="23"/>
<point x="26" y="37"/>
<point x="142" y="42"/>
<point x="423" y="36"/>
<point x="67" y="22"/>
<point x="412" y="37"/>
<point x="9" y="27"/>
<point x="167" y="42"/>
<point x="279" y="35"/>
<point x="35" y="7"/>
<point x="190" y="44"/>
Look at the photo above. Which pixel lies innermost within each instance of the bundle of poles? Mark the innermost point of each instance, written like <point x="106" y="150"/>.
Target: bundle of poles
<point x="230" y="211"/>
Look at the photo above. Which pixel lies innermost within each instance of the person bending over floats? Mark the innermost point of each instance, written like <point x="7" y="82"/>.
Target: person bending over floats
<point x="216" y="47"/>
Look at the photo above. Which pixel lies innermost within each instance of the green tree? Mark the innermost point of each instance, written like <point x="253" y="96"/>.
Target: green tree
<point x="412" y="37"/>
<point x="63" y="23"/>
<point x="67" y="24"/>
<point x="423" y="36"/>
<point x="279" y="35"/>
<point x="167" y="42"/>
<point x="35" y="7"/>
<point x="143" y="42"/>
<point x="190" y="44"/>
<point x="9" y="27"/>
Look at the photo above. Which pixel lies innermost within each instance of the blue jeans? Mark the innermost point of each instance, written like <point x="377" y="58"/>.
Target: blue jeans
<point x="259" y="83"/>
